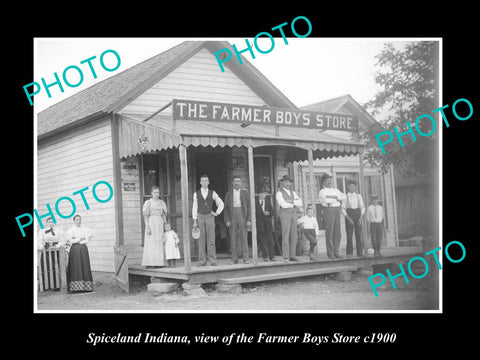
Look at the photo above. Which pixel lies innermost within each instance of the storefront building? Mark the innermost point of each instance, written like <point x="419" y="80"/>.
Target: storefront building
<point x="174" y="117"/>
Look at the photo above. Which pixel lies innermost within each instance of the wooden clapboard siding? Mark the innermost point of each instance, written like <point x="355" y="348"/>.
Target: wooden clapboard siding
<point x="70" y="162"/>
<point x="132" y="206"/>
<point x="414" y="205"/>
<point x="198" y="78"/>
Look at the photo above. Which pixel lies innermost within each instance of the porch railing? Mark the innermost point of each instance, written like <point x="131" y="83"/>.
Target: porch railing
<point x="52" y="269"/>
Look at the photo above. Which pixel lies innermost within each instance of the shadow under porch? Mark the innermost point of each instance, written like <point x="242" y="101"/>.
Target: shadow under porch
<point x="278" y="269"/>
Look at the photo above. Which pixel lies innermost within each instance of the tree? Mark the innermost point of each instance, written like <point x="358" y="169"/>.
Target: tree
<point x="409" y="81"/>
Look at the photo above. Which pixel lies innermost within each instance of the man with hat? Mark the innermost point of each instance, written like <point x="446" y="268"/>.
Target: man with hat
<point x="330" y="199"/>
<point x="288" y="202"/>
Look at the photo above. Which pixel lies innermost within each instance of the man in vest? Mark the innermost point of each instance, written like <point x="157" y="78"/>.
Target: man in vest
<point x="288" y="202"/>
<point x="237" y="219"/>
<point x="353" y="209"/>
<point x="330" y="199"/>
<point x="204" y="218"/>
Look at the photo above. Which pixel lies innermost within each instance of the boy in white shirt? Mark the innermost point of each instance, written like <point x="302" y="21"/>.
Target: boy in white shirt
<point x="310" y="230"/>
<point x="374" y="217"/>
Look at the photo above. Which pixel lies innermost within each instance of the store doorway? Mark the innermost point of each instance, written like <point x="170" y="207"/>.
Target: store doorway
<point x="214" y="164"/>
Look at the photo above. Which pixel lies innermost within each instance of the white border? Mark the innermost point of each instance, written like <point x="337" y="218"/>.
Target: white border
<point x="440" y="207"/>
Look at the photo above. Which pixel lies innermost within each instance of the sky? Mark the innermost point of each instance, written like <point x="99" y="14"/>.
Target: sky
<point x="306" y="70"/>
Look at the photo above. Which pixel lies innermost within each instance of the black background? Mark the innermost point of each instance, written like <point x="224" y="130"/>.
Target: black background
<point x="416" y="333"/>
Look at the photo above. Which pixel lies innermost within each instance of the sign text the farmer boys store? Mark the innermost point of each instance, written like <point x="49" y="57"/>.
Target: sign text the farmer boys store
<point x="261" y="115"/>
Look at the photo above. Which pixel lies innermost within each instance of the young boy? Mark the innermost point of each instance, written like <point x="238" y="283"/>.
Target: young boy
<point x="310" y="229"/>
<point x="374" y="217"/>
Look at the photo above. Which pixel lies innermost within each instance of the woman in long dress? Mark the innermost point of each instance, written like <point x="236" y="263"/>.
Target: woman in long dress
<point x="154" y="212"/>
<point x="79" y="273"/>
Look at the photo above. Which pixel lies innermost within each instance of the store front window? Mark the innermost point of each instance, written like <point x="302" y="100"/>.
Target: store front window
<point x="262" y="168"/>
<point x="155" y="173"/>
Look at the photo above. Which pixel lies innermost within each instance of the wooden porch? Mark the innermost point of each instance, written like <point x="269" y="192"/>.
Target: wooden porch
<point x="227" y="273"/>
<point x="184" y="136"/>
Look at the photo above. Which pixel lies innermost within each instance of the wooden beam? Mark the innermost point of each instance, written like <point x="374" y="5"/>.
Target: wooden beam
<point x="172" y="196"/>
<point x="365" y="201"/>
<point x="251" y="183"/>
<point x="312" y="180"/>
<point x="142" y="196"/>
<point x="158" y="112"/>
<point x="394" y="198"/>
<point x="182" y="150"/>
<point x="285" y="275"/>
<point x="117" y="182"/>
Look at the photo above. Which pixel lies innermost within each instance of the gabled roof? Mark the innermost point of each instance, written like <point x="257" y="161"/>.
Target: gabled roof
<point x="335" y="105"/>
<point x="113" y="93"/>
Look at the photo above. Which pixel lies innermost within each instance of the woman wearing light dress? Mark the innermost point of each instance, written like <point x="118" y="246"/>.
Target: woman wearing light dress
<point x="155" y="213"/>
<point x="79" y="273"/>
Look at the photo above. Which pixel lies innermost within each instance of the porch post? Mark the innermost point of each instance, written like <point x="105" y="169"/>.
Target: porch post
<point x="117" y="182"/>
<point x="182" y="151"/>
<point x="394" y="198"/>
<point x="360" y="174"/>
<point x="365" y="201"/>
<point x="251" y="184"/>
<point x="313" y="196"/>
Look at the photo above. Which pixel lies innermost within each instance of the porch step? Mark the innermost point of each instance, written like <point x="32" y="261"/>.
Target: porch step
<point x="285" y="275"/>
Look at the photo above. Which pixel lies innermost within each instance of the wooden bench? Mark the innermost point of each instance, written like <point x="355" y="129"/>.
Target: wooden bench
<point x="285" y="275"/>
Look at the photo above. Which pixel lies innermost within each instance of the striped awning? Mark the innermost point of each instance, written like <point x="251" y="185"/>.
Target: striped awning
<point x="136" y="138"/>
<point x="161" y="133"/>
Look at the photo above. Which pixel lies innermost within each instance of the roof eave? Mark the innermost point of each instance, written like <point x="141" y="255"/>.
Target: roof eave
<point x="73" y="125"/>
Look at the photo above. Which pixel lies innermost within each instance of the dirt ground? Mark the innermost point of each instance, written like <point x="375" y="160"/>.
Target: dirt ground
<point x="322" y="292"/>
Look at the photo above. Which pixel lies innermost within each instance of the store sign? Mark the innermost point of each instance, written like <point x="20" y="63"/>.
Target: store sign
<point x="261" y="115"/>
<point x="129" y="186"/>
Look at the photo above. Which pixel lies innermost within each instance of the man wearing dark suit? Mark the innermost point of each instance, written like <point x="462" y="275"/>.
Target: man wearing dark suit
<point x="263" y="215"/>
<point x="237" y="219"/>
